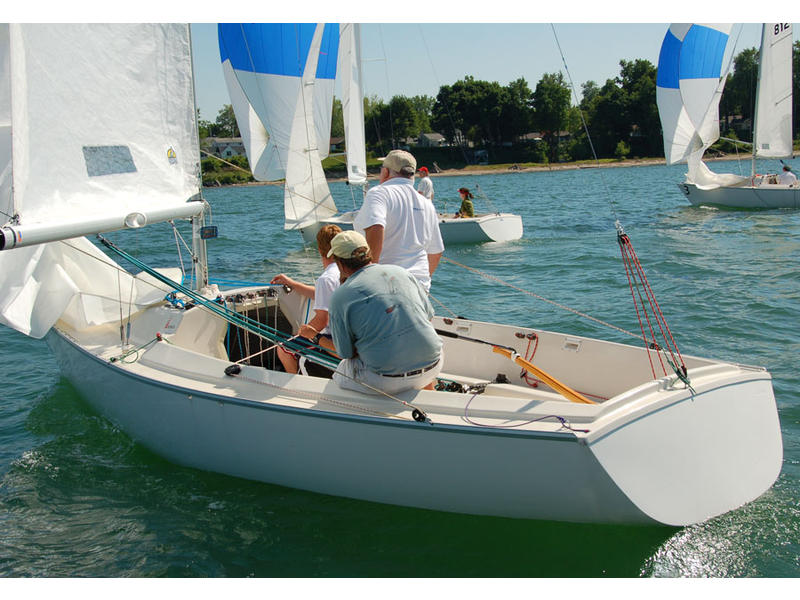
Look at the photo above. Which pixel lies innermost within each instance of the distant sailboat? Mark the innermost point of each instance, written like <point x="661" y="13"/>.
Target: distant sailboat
<point x="276" y="130"/>
<point x="689" y="88"/>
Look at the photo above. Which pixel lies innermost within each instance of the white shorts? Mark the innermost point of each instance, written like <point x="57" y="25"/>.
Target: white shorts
<point x="352" y="372"/>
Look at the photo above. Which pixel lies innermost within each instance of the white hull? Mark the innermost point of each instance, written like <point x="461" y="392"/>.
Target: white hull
<point x="763" y="196"/>
<point x="652" y="452"/>
<point x="496" y="227"/>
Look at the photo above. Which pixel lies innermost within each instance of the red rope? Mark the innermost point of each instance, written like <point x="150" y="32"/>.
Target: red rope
<point x="533" y="381"/>
<point x="638" y="280"/>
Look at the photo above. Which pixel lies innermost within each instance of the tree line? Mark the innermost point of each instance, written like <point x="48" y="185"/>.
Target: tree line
<point x="621" y="115"/>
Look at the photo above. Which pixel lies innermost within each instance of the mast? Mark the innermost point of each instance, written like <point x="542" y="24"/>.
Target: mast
<point x="199" y="251"/>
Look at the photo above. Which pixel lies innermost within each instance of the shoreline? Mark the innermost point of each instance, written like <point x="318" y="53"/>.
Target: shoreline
<point x="507" y="170"/>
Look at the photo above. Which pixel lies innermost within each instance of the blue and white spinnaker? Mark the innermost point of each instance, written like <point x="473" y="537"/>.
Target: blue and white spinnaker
<point x="689" y="86"/>
<point x="281" y="77"/>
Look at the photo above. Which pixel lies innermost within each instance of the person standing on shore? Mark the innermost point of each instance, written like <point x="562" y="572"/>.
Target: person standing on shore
<point x="400" y="225"/>
<point x="425" y="186"/>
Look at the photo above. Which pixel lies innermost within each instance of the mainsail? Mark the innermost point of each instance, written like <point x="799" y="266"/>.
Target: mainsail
<point x="103" y="135"/>
<point x="353" y="102"/>
<point x="772" y="136"/>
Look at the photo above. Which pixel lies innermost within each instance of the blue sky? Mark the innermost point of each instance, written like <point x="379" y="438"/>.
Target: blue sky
<point x="417" y="58"/>
<point x="413" y="47"/>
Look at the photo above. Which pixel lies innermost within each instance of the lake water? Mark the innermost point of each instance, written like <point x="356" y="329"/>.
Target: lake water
<point x="79" y="498"/>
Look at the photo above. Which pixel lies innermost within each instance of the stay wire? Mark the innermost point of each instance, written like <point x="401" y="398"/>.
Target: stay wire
<point x="609" y="198"/>
<point x="542" y="298"/>
<point x="446" y="105"/>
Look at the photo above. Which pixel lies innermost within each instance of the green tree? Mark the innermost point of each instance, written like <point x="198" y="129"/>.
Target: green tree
<point x="337" y="119"/>
<point x="423" y="110"/>
<point x="375" y="129"/>
<point x="226" y="122"/>
<point x="739" y="95"/>
<point x="590" y="90"/>
<point x="638" y="81"/>
<point x="607" y="121"/>
<point x="402" y="117"/>
<point x="516" y="110"/>
<point x="551" y="103"/>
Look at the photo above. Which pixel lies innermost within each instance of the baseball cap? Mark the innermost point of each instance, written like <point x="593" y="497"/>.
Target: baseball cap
<point x="423" y="170"/>
<point x="345" y="243"/>
<point x="400" y="161"/>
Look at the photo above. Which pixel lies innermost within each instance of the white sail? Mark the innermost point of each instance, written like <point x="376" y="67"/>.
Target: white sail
<point x="6" y="200"/>
<point x="307" y="198"/>
<point x="104" y="137"/>
<point x="353" y="101"/>
<point x="773" y="120"/>
<point x="255" y="137"/>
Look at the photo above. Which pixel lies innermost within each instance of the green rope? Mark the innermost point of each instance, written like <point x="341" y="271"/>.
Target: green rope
<point x="242" y="321"/>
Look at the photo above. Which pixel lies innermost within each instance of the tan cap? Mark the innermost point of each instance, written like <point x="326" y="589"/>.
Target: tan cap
<point x="345" y="243"/>
<point x="400" y="161"/>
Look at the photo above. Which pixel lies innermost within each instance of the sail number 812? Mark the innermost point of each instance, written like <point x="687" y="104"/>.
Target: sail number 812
<point x="781" y="27"/>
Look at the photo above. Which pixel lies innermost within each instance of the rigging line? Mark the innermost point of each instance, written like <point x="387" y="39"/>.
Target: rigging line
<point x="116" y="267"/>
<point x="538" y="297"/>
<point x="388" y="90"/>
<point x="178" y="246"/>
<point x="446" y="105"/>
<point x="130" y="309"/>
<point x="321" y="398"/>
<point x="121" y="326"/>
<point x="609" y="198"/>
<point x="440" y="303"/>
<point x="486" y="199"/>
<point x="226" y="162"/>
<point x="239" y="320"/>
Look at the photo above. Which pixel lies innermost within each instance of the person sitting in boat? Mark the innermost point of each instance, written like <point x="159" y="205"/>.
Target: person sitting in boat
<point x="467" y="209"/>
<point x="425" y="186"/>
<point x="787" y="177"/>
<point x="380" y="319"/>
<point x="316" y="332"/>
<point x="400" y="225"/>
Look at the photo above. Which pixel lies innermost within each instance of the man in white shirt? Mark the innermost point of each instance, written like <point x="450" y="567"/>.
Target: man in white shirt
<point x="425" y="186"/>
<point x="787" y="177"/>
<point x="401" y="226"/>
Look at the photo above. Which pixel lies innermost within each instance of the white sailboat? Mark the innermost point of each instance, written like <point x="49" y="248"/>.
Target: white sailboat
<point x="608" y="434"/>
<point x="689" y="88"/>
<point x="254" y="77"/>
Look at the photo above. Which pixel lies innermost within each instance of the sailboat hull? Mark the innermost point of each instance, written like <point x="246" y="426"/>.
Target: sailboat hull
<point x="499" y="227"/>
<point x="496" y="227"/>
<point x="767" y="196"/>
<point x="649" y="455"/>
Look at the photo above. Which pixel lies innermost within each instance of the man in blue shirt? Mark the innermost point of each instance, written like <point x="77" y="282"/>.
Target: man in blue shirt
<point x="380" y="323"/>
